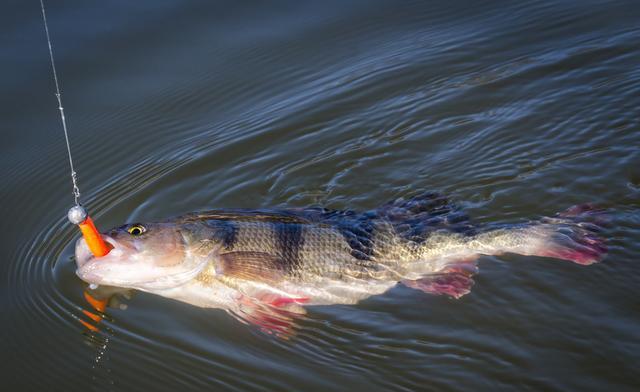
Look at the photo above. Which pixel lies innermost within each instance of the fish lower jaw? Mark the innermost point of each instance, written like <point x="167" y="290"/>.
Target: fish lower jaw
<point x="88" y="277"/>
<point x="166" y="282"/>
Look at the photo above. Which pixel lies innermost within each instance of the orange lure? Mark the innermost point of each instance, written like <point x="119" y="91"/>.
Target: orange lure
<point x="99" y="248"/>
<point x="93" y="238"/>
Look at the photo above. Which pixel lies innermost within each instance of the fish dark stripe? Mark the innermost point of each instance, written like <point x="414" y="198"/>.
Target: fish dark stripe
<point x="358" y="233"/>
<point x="229" y="234"/>
<point x="225" y="232"/>
<point x="289" y="241"/>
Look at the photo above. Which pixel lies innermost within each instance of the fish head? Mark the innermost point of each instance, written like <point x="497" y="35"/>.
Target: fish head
<point x="147" y="257"/>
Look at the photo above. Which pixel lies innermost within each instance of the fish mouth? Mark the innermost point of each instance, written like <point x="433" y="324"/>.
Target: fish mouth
<point x="83" y="253"/>
<point x="84" y="258"/>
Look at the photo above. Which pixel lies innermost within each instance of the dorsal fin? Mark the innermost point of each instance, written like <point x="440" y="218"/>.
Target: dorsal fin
<point x="415" y="218"/>
<point x="273" y="216"/>
<point x="424" y="204"/>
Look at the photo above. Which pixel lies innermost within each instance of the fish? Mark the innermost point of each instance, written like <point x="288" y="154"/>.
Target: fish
<point x="266" y="266"/>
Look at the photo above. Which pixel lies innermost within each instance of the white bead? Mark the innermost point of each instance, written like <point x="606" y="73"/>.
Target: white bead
<point x="77" y="214"/>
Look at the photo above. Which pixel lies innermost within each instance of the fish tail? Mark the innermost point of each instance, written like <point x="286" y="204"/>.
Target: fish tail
<point x="571" y="235"/>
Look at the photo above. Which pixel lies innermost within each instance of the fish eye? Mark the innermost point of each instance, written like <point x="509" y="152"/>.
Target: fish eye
<point x="136" y="230"/>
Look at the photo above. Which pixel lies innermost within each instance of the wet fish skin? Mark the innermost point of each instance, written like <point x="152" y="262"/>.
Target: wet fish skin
<point x="231" y="258"/>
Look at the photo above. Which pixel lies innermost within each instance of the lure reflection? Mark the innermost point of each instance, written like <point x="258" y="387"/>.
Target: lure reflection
<point x="99" y="299"/>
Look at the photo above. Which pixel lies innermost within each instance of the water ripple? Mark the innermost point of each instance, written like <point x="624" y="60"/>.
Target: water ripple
<point x="515" y="110"/>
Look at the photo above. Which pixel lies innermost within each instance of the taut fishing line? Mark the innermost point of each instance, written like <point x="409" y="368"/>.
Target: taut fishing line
<point x="74" y="177"/>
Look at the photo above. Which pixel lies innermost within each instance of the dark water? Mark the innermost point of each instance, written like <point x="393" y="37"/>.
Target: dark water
<point x="516" y="110"/>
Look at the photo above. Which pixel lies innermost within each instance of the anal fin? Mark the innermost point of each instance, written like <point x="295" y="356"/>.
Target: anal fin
<point x="454" y="284"/>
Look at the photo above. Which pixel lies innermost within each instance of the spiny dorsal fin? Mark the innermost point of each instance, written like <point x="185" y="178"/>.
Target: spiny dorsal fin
<point x="255" y="266"/>
<point x="245" y="215"/>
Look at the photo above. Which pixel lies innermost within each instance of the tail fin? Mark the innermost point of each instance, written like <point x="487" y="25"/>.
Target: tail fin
<point x="570" y="235"/>
<point x="575" y="238"/>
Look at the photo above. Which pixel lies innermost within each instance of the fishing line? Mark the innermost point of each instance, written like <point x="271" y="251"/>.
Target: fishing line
<point x="77" y="214"/>
<point x="74" y="177"/>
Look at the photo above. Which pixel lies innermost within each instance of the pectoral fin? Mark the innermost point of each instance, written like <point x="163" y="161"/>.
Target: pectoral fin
<point x="273" y="314"/>
<point x="254" y="266"/>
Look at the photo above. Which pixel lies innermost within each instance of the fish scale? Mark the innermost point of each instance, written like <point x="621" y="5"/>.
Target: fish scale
<point x="236" y="257"/>
<point x="321" y="250"/>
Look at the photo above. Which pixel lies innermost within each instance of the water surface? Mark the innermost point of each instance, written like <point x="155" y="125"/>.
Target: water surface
<point x="515" y="109"/>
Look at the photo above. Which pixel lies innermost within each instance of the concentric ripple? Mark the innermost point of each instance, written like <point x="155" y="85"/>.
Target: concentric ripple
<point x="516" y="110"/>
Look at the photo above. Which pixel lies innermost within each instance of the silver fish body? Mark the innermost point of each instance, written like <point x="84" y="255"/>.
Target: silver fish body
<point x="229" y="258"/>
